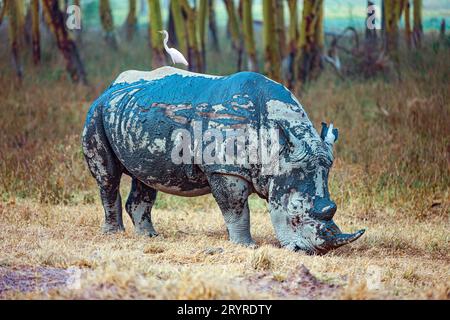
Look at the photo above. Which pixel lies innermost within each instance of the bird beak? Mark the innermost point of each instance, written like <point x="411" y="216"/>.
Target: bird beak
<point x="160" y="31"/>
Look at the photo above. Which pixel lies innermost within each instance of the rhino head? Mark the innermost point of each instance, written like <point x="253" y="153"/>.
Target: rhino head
<point x="299" y="201"/>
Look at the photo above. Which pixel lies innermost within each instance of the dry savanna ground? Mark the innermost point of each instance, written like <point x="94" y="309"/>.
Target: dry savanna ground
<point x="391" y="176"/>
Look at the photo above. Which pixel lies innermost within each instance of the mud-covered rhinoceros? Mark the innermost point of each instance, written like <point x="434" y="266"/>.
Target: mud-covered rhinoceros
<point x="143" y="125"/>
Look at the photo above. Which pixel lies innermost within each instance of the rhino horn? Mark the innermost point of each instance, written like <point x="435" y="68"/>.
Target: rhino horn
<point x="346" y="238"/>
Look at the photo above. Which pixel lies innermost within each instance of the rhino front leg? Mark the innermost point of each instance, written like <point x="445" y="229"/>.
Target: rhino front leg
<point x="139" y="207"/>
<point x="231" y="194"/>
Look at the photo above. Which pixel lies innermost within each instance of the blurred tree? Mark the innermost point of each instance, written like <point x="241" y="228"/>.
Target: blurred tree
<point x="67" y="46"/>
<point x="311" y="40"/>
<point x="180" y="28"/>
<point x="15" y="33"/>
<point x="194" y="54"/>
<point x="171" y="27"/>
<point x="234" y="30"/>
<point x="213" y="25"/>
<point x="393" y="13"/>
<point x="272" y="64"/>
<point x="248" y="35"/>
<point x="28" y="25"/>
<point x="131" y="22"/>
<point x="408" y="23"/>
<point x="107" y="23"/>
<point x="417" y="28"/>
<point x="293" y="41"/>
<point x="202" y="14"/>
<point x="280" y="28"/>
<point x="35" y="33"/>
<point x="2" y="11"/>
<point x="155" y="24"/>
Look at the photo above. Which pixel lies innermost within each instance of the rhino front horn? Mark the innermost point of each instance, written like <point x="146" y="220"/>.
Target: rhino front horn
<point x="346" y="238"/>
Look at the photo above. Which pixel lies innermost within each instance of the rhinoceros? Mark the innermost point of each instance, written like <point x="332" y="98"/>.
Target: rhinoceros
<point x="138" y="127"/>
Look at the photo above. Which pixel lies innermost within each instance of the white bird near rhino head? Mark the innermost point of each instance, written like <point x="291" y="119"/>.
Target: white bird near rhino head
<point x="175" y="55"/>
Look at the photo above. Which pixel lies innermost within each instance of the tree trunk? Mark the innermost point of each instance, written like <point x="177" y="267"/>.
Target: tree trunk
<point x="171" y="27"/>
<point x="293" y="41"/>
<point x="3" y="11"/>
<point x="180" y="28"/>
<point x="311" y="40"/>
<point x="107" y="23"/>
<point x="280" y="28"/>
<point x="319" y="38"/>
<point x="272" y="63"/>
<point x="131" y="22"/>
<point x="249" y="36"/>
<point x="408" y="31"/>
<point x="194" y="56"/>
<point x="393" y="13"/>
<point x="213" y="25"/>
<point x="234" y="31"/>
<point x="202" y="13"/>
<point x="417" y="28"/>
<point x="67" y="46"/>
<point x="15" y="33"/>
<point x="158" y="56"/>
<point x="35" y="32"/>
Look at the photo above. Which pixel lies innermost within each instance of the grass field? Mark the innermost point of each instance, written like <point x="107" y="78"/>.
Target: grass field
<point x="391" y="176"/>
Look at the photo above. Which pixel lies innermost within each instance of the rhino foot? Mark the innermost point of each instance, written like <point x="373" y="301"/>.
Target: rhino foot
<point x="111" y="229"/>
<point x="249" y="244"/>
<point x="149" y="233"/>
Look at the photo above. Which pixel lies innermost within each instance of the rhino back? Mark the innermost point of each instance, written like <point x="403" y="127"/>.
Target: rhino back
<point x="141" y="116"/>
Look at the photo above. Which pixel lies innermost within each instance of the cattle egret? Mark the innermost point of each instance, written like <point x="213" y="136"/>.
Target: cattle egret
<point x="175" y="55"/>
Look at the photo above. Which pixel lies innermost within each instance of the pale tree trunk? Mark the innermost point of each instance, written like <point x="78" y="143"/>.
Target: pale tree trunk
<point x="158" y="56"/>
<point x="66" y="46"/>
<point x="249" y="36"/>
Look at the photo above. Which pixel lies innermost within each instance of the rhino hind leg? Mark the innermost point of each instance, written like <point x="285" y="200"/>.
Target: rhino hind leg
<point x="231" y="194"/>
<point x="106" y="169"/>
<point x="139" y="206"/>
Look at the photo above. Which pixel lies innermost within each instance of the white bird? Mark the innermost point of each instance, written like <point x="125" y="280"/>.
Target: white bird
<point x="175" y="55"/>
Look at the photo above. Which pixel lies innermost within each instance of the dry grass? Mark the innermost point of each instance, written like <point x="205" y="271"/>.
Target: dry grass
<point x="391" y="176"/>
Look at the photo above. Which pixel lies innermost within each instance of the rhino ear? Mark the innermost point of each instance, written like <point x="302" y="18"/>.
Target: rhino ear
<point x="329" y="134"/>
